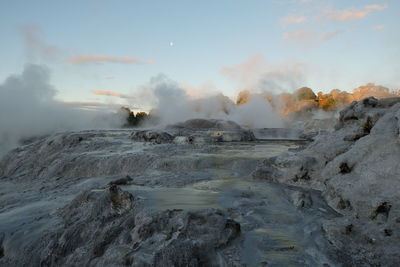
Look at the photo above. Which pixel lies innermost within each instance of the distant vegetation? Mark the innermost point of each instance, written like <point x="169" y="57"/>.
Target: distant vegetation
<point x="304" y="99"/>
<point x="138" y="119"/>
<point x="133" y="120"/>
<point x="305" y="93"/>
<point x="300" y="103"/>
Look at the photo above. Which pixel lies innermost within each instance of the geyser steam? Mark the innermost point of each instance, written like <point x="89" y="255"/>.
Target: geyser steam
<point x="28" y="108"/>
<point x="173" y="104"/>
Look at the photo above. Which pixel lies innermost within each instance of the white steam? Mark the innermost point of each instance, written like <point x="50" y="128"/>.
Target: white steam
<point x="28" y="108"/>
<point x="172" y="104"/>
<point x="257" y="113"/>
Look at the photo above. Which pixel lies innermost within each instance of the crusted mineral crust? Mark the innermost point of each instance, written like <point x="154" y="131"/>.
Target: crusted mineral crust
<point x="357" y="167"/>
<point x="66" y="199"/>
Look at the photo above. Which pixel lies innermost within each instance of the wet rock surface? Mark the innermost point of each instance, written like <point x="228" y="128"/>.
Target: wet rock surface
<point x="111" y="228"/>
<point x="157" y="137"/>
<point x="357" y="168"/>
<point x="203" y="124"/>
<point x="103" y="198"/>
<point x="196" y="131"/>
<point x="115" y="230"/>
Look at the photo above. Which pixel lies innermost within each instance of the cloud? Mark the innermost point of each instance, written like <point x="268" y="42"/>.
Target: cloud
<point x="378" y="27"/>
<point x="36" y="47"/>
<point x="293" y="20"/>
<point x="88" y="59"/>
<point x="258" y="75"/>
<point x="246" y="72"/>
<point x="350" y="14"/>
<point x="86" y="103"/>
<point x="108" y="93"/>
<point x="346" y="14"/>
<point x="199" y="91"/>
<point x="92" y="105"/>
<point x="376" y="7"/>
<point x="301" y="35"/>
<point x="329" y="35"/>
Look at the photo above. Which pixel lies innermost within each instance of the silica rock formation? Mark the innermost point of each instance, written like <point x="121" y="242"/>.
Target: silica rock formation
<point x="202" y="193"/>
<point x="357" y="167"/>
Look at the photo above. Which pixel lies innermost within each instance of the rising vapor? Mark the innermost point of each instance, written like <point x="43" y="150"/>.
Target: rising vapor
<point x="28" y="108"/>
<point x="171" y="103"/>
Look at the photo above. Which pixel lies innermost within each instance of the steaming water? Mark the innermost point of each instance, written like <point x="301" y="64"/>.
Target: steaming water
<point x="193" y="177"/>
<point x="273" y="229"/>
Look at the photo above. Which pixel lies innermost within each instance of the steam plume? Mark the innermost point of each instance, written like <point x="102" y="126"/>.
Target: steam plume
<point x="254" y="109"/>
<point x="28" y="108"/>
<point x="173" y="104"/>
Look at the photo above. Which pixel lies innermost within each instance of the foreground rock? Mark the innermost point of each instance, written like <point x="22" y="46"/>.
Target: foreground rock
<point x="357" y="167"/>
<point x="99" y="198"/>
<point x="111" y="228"/>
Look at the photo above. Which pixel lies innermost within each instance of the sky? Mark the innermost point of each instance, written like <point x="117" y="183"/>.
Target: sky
<point x="107" y="51"/>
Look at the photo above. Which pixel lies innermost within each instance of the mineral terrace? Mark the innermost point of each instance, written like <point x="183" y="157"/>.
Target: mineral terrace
<point x="208" y="193"/>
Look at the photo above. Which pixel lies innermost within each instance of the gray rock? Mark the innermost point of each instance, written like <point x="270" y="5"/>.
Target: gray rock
<point x="301" y="199"/>
<point x="196" y="131"/>
<point x="59" y="203"/>
<point x="267" y="173"/>
<point x="203" y="124"/>
<point x="111" y="228"/>
<point x="357" y="168"/>
<point x="157" y="137"/>
<point x="121" y="181"/>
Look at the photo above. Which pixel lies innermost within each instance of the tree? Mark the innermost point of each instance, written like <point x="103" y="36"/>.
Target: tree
<point x="132" y="120"/>
<point x="305" y="93"/>
<point x="141" y="116"/>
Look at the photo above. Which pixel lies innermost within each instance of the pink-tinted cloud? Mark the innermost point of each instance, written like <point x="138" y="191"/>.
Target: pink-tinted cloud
<point x="88" y="103"/>
<point x="301" y="35"/>
<point x="108" y="93"/>
<point x="346" y="14"/>
<point x="329" y="35"/>
<point x="246" y="72"/>
<point x="351" y="14"/>
<point x="293" y="20"/>
<point x="36" y="47"/>
<point x="256" y="74"/>
<point x="376" y="7"/>
<point x="92" y="105"/>
<point x="87" y="59"/>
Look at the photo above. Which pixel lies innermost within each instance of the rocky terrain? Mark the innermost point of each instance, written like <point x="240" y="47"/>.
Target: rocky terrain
<point x="357" y="168"/>
<point x="207" y="193"/>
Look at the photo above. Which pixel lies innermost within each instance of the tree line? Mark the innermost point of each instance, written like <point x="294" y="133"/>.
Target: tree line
<point x="138" y="119"/>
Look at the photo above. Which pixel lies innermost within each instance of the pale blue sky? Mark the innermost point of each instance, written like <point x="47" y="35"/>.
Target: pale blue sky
<point x="337" y="43"/>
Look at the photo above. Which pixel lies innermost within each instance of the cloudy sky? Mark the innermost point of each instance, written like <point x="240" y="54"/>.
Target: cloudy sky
<point x="105" y="51"/>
